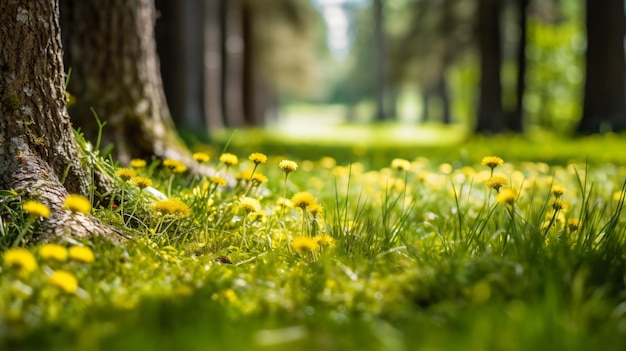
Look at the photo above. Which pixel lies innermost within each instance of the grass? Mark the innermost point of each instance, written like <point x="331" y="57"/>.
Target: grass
<point x="418" y="255"/>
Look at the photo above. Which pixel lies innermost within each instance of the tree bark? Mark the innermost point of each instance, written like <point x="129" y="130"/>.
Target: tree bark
<point x="111" y="50"/>
<point x="516" y="122"/>
<point x="232" y="63"/>
<point x="39" y="157"/>
<point x="380" y="62"/>
<point x="604" y="107"/>
<point x="490" y="117"/>
<point x="213" y="64"/>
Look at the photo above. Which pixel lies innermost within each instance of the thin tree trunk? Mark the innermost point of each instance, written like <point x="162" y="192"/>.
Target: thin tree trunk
<point x="379" y="54"/>
<point x="39" y="157"/>
<point x="111" y="49"/>
<point x="516" y="123"/>
<point x="213" y="64"/>
<point x="490" y="118"/>
<point x="604" y="106"/>
<point x="232" y="63"/>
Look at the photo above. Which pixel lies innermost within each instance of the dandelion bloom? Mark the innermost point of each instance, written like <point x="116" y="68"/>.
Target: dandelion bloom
<point x="303" y="200"/>
<point x="53" y="252"/>
<point x="125" y="173"/>
<point x="249" y="204"/>
<point x="64" y="280"/>
<point x="325" y="240"/>
<point x="259" y="178"/>
<point x="201" y="157"/>
<point x="258" y="158"/>
<point x="229" y="159"/>
<point x="507" y="197"/>
<point x="327" y="162"/>
<point x="173" y="207"/>
<point x="573" y="224"/>
<point x="138" y="163"/>
<point x="496" y="182"/>
<point x="400" y="164"/>
<point x="557" y="205"/>
<point x="174" y="166"/>
<point x="304" y="244"/>
<point x="558" y="190"/>
<point x="82" y="254"/>
<point x="20" y="258"/>
<point x="492" y="161"/>
<point x="315" y="209"/>
<point x="288" y="166"/>
<point x="77" y="203"/>
<point x="36" y="209"/>
<point x="142" y="182"/>
<point x="218" y="180"/>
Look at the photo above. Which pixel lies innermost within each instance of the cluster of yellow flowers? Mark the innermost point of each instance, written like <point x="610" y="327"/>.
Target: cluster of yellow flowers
<point x="24" y="262"/>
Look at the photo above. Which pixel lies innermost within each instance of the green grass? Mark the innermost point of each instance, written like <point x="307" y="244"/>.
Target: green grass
<point x="399" y="260"/>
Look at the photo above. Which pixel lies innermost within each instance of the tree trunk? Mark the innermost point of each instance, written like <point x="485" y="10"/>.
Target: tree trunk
<point x="490" y="117"/>
<point x="604" y="108"/>
<point x="179" y="36"/>
<point x="213" y="64"/>
<point x="111" y="50"/>
<point x="232" y="63"/>
<point x="39" y="157"/>
<point x="379" y="57"/>
<point x="516" y="122"/>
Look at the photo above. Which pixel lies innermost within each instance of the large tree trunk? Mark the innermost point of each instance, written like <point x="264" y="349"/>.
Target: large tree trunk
<point x="111" y="50"/>
<point x="490" y="117"/>
<point x="232" y="63"/>
<point x="604" y="106"/>
<point x="179" y="35"/>
<point x="39" y="157"/>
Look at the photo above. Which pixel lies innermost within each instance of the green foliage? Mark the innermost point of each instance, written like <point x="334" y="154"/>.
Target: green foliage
<point x="414" y="254"/>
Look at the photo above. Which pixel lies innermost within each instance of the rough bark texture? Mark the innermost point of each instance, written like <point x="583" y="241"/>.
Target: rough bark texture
<point x="39" y="157"/>
<point x="111" y="50"/>
<point x="232" y="63"/>
<point x="516" y="122"/>
<point x="604" y="106"/>
<point x="490" y="117"/>
<point x="213" y="64"/>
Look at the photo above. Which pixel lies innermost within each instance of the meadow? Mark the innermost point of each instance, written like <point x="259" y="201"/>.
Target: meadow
<point x="494" y="244"/>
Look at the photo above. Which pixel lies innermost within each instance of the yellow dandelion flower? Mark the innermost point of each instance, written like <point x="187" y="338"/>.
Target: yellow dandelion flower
<point x="573" y="224"/>
<point x="558" y="190"/>
<point x="325" y="240"/>
<point x="126" y="174"/>
<point x="174" y="166"/>
<point x="496" y="182"/>
<point x="249" y="204"/>
<point x="288" y="166"/>
<point x="230" y="295"/>
<point x="173" y="207"/>
<point x="53" y="252"/>
<point x="303" y="200"/>
<point x="64" y="280"/>
<point x="138" y="163"/>
<point x="327" y="162"/>
<point x="229" y="159"/>
<point x="284" y="202"/>
<point x="245" y="175"/>
<point x="259" y="178"/>
<point x="507" y="196"/>
<point x="400" y="164"/>
<point x="304" y="243"/>
<point x="77" y="203"/>
<point x="557" y="205"/>
<point x="142" y="182"/>
<point x="315" y="209"/>
<point x="258" y="158"/>
<point x="201" y="157"/>
<point x="20" y="258"/>
<point x="618" y="195"/>
<point x="81" y="254"/>
<point x="492" y="161"/>
<point x="36" y="209"/>
<point x="218" y="180"/>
